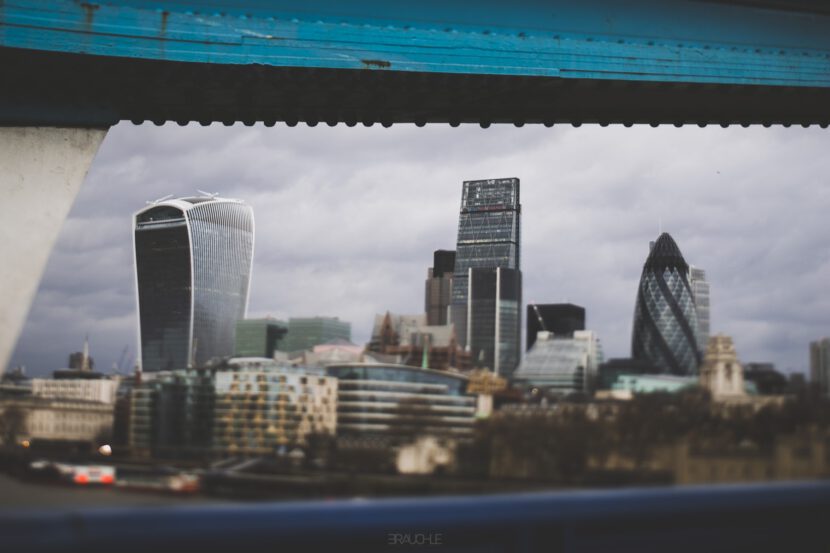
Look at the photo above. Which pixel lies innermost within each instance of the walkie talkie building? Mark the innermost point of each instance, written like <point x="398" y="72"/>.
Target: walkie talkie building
<point x="665" y="329"/>
<point x="489" y="238"/>
<point x="193" y="260"/>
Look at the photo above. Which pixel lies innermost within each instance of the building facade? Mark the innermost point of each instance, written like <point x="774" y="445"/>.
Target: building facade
<point x="562" y="319"/>
<point x="721" y="373"/>
<point x="306" y="332"/>
<point x="171" y="414"/>
<point x="820" y="364"/>
<point x="258" y="337"/>
<point x="193" y="259"/>
<point x="665" y="330"/>
<point x="561" y="364"/>
<point x="101" y="390"/>
<point x="494" y="323"/>
<point x="262" y="407"/>
<point x="438" y="289"/>
<point x="489" y="237"/>
<point x="394" y="404"/>
<point x="700" y="293"/>
<point x="410" y="341"/>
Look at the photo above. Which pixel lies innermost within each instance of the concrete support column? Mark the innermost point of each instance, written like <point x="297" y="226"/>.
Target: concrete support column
<point x="41" y="171"/>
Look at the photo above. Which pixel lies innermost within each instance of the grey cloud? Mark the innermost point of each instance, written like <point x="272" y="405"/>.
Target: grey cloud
<point x="347" y="220"/>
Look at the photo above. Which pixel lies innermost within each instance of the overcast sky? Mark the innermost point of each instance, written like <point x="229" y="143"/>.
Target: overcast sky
<point x="347" y="220"/>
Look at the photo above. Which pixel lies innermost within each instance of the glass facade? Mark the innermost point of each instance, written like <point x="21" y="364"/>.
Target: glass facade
<point x="193" y="267"/>
<point x="307" y="332"/>
<point x="700" y="292"/>
<point x="665" y="331"/>
<point x="396" y="401"/>
<point x="258" y="337"/>
<point x="494" y="322"/>
<point x="564" y="365"/>
<point x="489" y="236"/>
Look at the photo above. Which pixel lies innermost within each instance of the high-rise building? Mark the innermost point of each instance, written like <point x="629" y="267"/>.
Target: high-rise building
<point x="665" y="320"/>
<point x="193" y="261"/>
<point x="306" y="332"/>
<point x="494" y="324"/>
<point x="258" y="337"/>
<point x="820" y="364"/>
<point x="489" y="237"/>
<point x="562" y="319"/>
<point x="700" y="293"/>
<point x="439" y="287"/>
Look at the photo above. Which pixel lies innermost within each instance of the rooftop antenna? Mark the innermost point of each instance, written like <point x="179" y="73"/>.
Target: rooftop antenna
<point x="155" y="202"/>
<point x="211" y="195"/>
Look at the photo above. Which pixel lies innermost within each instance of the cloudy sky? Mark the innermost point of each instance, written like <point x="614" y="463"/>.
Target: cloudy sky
<point x="347" y="220"/>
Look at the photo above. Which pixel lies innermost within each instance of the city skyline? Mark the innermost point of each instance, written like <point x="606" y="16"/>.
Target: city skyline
<point x="585" y="221"/>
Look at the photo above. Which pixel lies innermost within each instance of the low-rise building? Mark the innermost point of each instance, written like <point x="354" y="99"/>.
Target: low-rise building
<point x="262" y="407"/>
<point x="394" y="404"/>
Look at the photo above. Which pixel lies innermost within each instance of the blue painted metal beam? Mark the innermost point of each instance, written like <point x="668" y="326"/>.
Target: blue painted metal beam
<point x="489" y="61"/>
<point x="680" y="41"/>
<point x="771" y="517"/>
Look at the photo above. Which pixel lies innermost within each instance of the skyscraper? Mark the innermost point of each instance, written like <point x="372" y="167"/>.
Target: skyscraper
<point x="562" y="319"/>
<point x="700" y="293"/>
<point x="665" y="319"/>
<point x="193" y="260"/>
<point x="439" y="287"/>
<point x="489" y="237"/>
<point x="820" y="365"/>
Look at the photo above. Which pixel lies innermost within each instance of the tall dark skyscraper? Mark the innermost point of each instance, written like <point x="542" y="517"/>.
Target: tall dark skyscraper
<point x="193" y="261"/>
<point x="489" y="237"/>
<point x="439" y="287"/>
<point x="494" y="318"/>
<point x="665" y="319"/>
<point x="560" y="318"/>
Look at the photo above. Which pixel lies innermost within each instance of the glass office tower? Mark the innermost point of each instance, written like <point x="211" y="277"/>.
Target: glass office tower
<point x="193" y="261"/>
<point x="489" y="228"/>
<point x="438" y="289"/>
<point x="700" y="292"/>
<point x="494" y="319"/>
<point x="665" y="329"/>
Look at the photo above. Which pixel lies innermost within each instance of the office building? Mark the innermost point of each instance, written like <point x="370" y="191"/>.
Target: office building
<point x="258" y="337"/>
<point x="171" y="414"/>
<point x="494" y="324"/>
<point x="562" y="319"/>
<point x="561" y="364"/>
<point x="393" y="404"/>
<point x="306" y="332"/>
<point x="665" y="319"/>
<point x="262" y="407"/>
<point x="700" y="293"/>
<point x="820" y="365"/>
<point x="489" y="237"/>
<point x="439" y="287"/>
<point x="193" y="261"/>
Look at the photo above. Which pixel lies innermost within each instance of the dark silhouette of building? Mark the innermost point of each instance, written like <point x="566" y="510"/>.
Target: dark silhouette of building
<point x="665" y="330"/>
<point x="494" y="319"/>
<point x="439" y="287"/>
<point x="562" y="319"/>
<point x="767" y="380"/>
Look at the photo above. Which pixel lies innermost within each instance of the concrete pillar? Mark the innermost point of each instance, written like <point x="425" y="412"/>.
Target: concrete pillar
<point x="41" y="171"/>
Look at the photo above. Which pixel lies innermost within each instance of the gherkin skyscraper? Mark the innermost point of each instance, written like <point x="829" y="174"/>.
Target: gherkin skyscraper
<point x="665" y="329"/>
